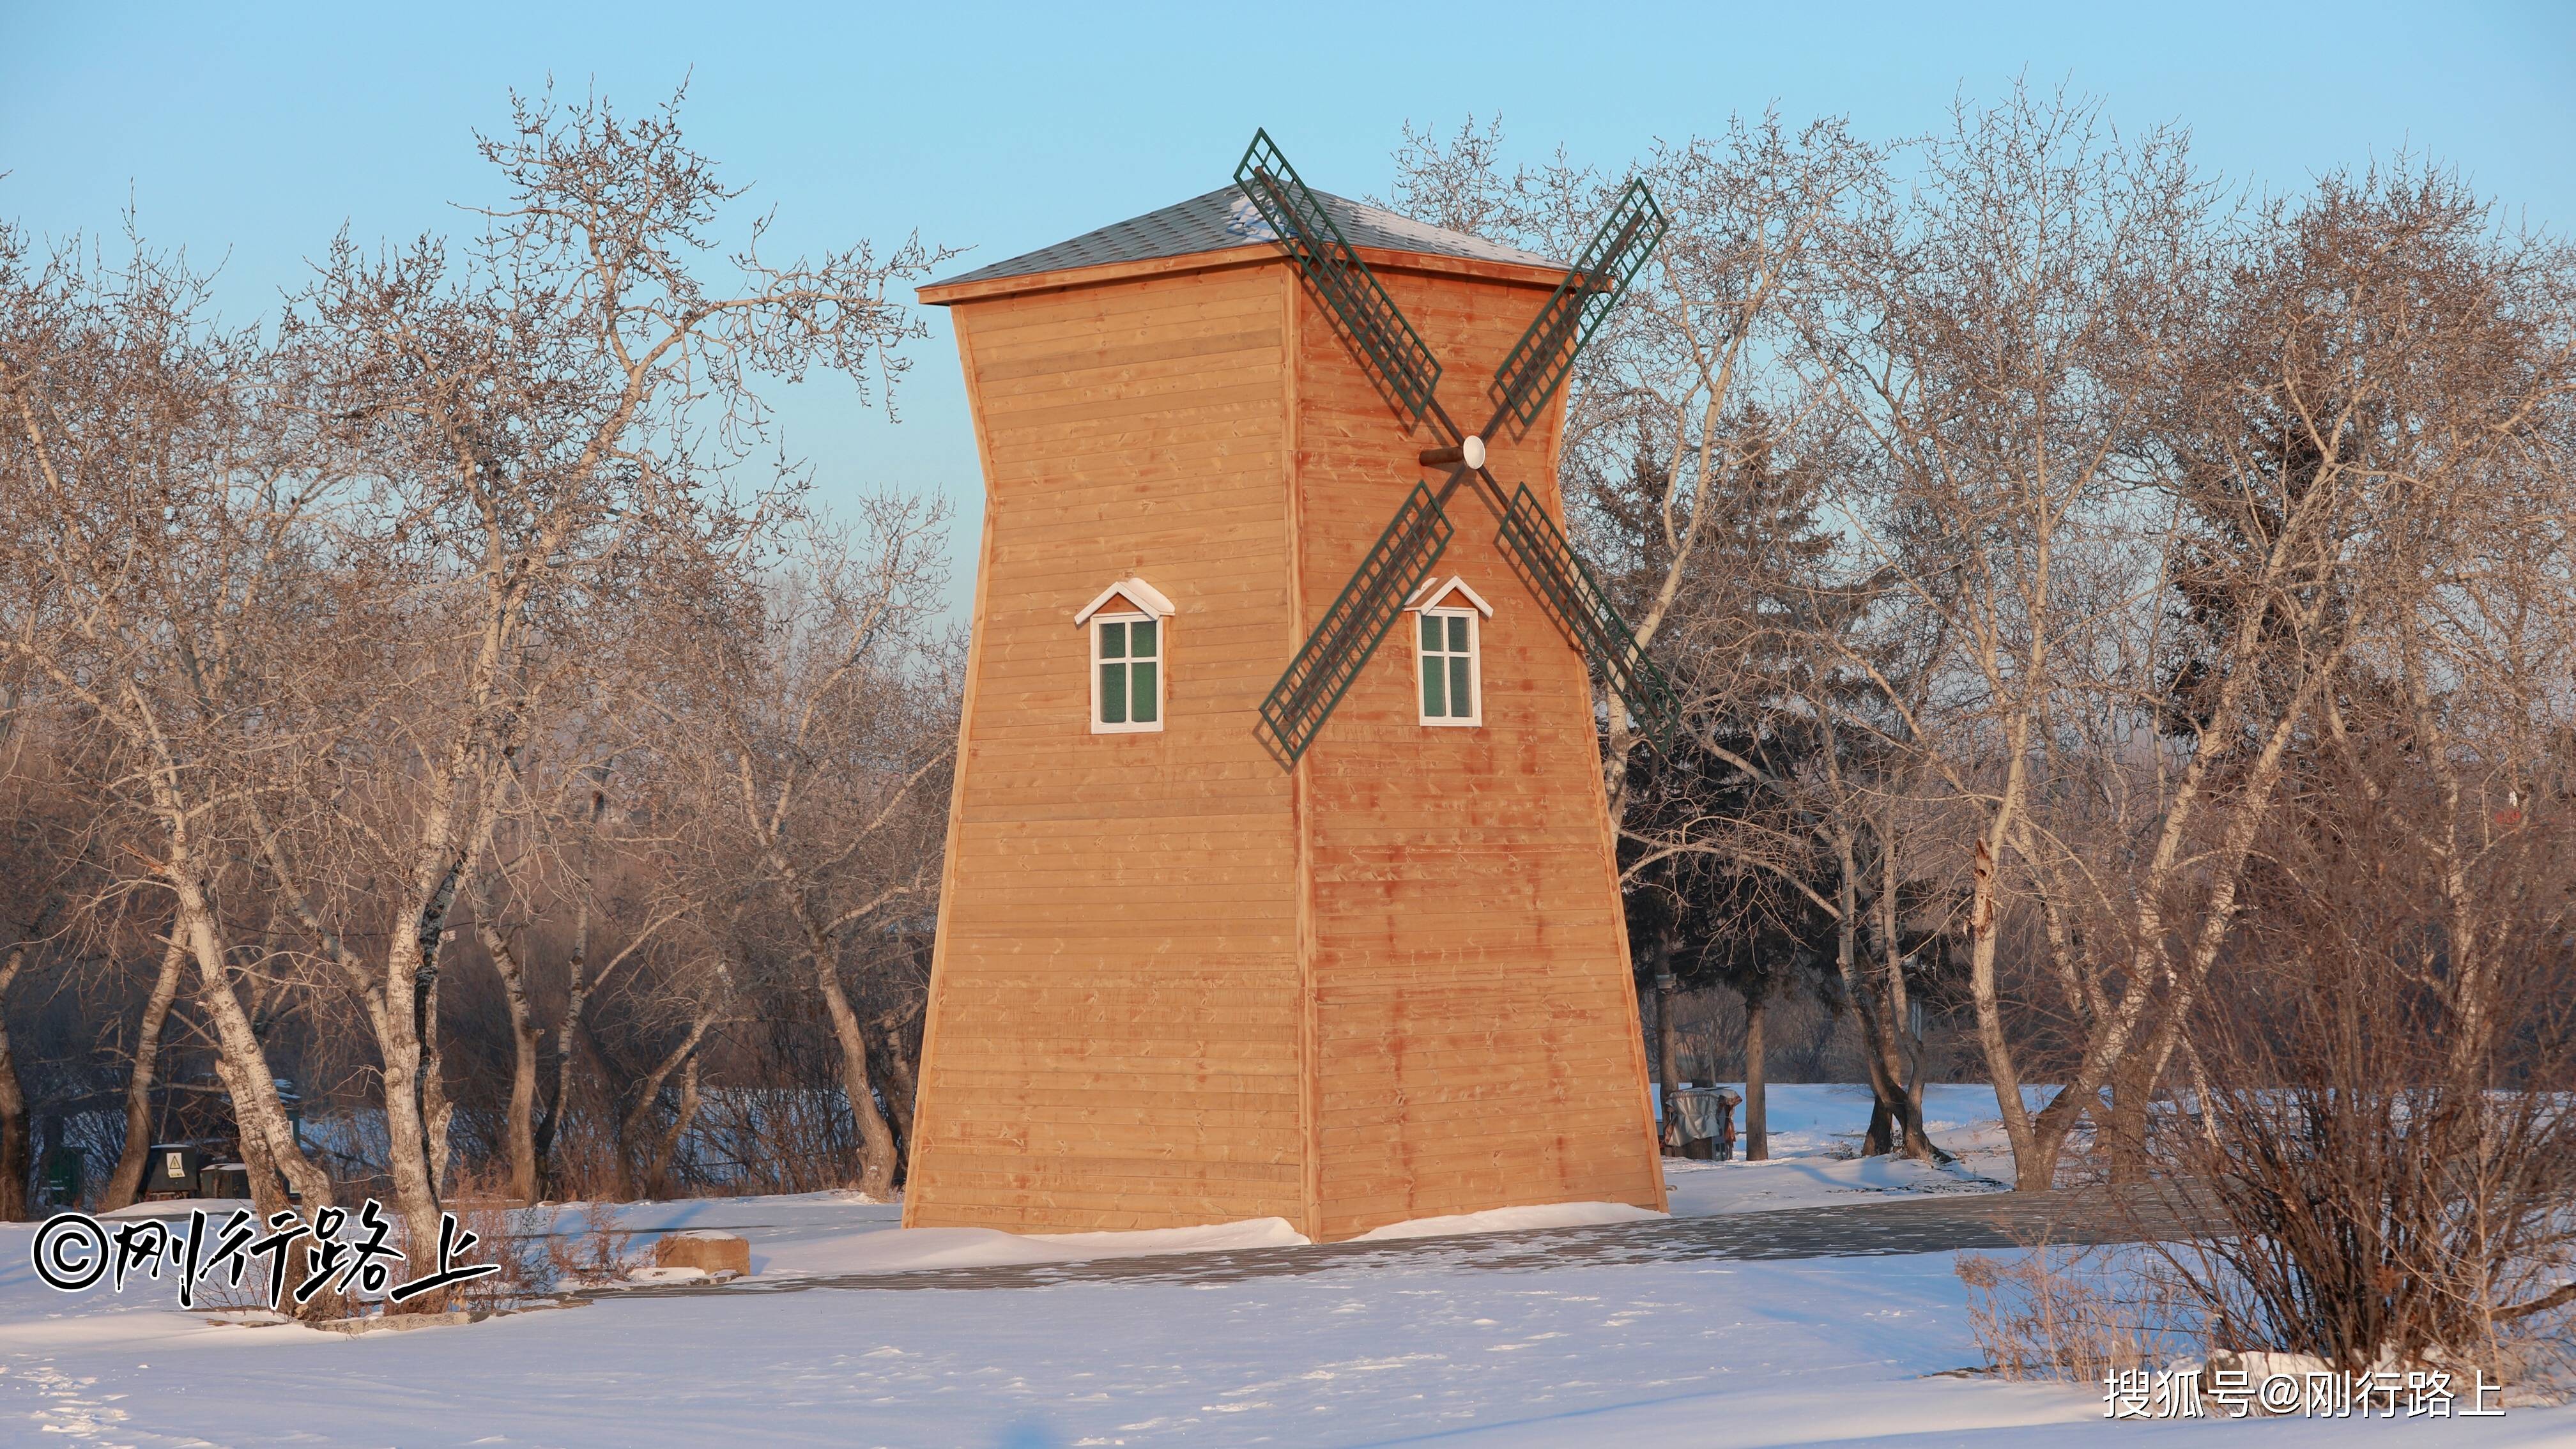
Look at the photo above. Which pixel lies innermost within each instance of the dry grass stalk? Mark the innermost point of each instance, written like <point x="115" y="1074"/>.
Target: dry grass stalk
<point x="2070" y="1314"/>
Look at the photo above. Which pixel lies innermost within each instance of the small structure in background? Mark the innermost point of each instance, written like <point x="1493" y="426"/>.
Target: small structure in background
<point x="61" y="1177"/>
<point x="226" y="1180"/>
<point x="199" y="1168"/>
<point x="294" y="1105"/>
<point x="1701" y="1124"/>
<point x="171" y="1169"/>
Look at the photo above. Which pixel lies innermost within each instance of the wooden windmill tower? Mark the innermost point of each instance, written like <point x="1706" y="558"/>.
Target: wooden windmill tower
<point x="1201" y="958"/>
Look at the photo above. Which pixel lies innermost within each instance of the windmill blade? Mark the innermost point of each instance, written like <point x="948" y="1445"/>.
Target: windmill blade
<point x="1386" y="343"/>
<point x="1584" y="611"/>
<point x="1358" y="618"/>
<point x="1538" y="363"/>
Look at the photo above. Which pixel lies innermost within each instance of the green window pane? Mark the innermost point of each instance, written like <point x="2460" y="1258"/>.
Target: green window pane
<point x="1143" y="674"/>
<point x="1140" y="639"/>
<point x="1430" y="632"/>
<point x="1461" y="699"/>
<point x="1457" y="634"/>
<point x="1113" y="694"/>
<point x="1113" y="641"/>
<point x="1435" y="698"/>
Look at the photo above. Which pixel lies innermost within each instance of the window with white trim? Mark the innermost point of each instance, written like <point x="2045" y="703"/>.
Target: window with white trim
<point x="1126" y="673"/>
<point x="1129" y="641"/>
<point x="1448" y="675"/>
<point x="1445" y="653"/>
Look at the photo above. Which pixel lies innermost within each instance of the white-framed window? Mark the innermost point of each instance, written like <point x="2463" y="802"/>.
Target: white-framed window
<point x="1448" y="670"/>
<point x="1128" y="625"/>
<point x="1126" y="673"/>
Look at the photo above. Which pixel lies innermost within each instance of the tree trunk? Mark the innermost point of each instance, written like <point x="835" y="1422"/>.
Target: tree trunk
<point x="268" y="1196"/>
<point x="630" y="1128"/>
<point x="16" y="1149"/>
<point x="1895" y="1031"/>
<point x="1667" y="1051"/>
<point x="408" y="983"/>
<point x="876" y="1139"/>
<point x="243" y="1064"/>
<point x="884" y="1063"/>
<point x="2122" y="1125"/>
<point x="550" y="1122"/>
<point x="1757" y="1106"/>
<point x="1878" y="1043"/>
<point x="1884" y="1116"/>
<point x="519" y="1125"/>
<point x="658" y="1175"/>
<point x="435" y="1106"/>
<point x="1914" y="1093"/>
<point x="902" y="1084"/>
<point x="125" y="1184"/>
<point x="2034" y="1157"/>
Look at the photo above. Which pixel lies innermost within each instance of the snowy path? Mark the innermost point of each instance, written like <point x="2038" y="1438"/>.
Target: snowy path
<point x="1874" y="1229"/>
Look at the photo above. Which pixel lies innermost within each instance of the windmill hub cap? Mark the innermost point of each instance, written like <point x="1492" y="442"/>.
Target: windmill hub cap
<point x="1472" y="451"/>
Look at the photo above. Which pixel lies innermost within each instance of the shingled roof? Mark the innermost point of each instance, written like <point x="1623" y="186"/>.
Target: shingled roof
<point x="1226" y="218"/>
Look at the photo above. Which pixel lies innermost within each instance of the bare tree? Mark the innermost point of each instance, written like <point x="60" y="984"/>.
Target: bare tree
<point x="16" y="1154"/>
<point x="148" y="530"/>
<point x="125" y="1180"/>
<point x="322" y="592"/>
<point x="709" y="997"/>
<point x="2383" y="1201"/>
<point x="533" y="438"/>
<point x="1998" y="346"/>
<point x="1675" y="411"/>
<point x="829" y="747"/>
<point x="618" y="888"/>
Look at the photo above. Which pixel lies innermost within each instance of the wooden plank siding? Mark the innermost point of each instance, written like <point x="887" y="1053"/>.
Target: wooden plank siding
<point x="1174" y="983"/>
<point x="1478" y="1037"/>
<point x="1114" y="1030"/>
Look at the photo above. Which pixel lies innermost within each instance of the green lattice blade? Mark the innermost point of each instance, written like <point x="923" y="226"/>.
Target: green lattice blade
<point x="1351" y="626"/>
<point x="1369" y="319"/>
<point x="1584" y="612"/>
<point x="1538" y="363"/>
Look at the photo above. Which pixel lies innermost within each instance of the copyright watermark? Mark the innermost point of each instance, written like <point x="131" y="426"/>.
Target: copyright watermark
<point x="2313" y="1394"/>
<point x="344" y="1252"/>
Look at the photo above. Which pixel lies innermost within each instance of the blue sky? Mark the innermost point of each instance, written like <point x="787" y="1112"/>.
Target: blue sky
<point x="253" y="137"/>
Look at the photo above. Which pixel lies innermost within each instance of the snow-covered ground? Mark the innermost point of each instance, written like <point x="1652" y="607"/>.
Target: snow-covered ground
<point x="1431" y="1351"/>
<point x="1815" y="1153"/>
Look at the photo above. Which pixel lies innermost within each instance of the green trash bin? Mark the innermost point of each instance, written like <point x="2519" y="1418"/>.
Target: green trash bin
<point x="62" y="1177"/>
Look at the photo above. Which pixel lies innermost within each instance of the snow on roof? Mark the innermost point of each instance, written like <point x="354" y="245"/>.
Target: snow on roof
<point x="1227" y="218"/>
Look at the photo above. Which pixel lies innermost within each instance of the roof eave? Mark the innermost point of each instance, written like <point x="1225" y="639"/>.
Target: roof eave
<point x="947" y="294"/>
